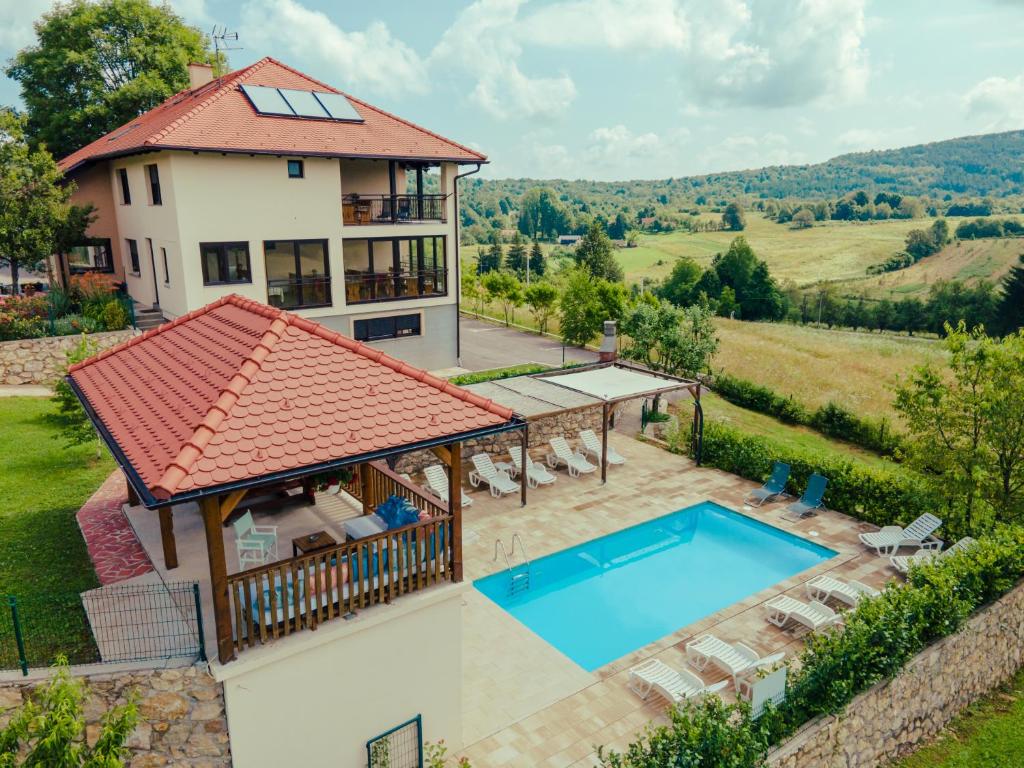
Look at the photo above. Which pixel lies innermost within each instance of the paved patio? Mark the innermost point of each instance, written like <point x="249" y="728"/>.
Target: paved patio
<point x="525" y="704"/>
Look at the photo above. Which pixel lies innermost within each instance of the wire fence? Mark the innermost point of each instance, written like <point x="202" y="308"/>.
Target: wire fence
<point x="112" y="624"/>
<point x="399" y="747"/>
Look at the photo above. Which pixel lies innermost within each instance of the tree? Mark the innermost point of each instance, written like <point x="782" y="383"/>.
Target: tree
<point x="1003" y="391"/>
<point x="678" y="287"/>
<point x="803" y="219"/>
<point x="541" y="214"/>
<point x="732" y="217"/>
<point x="49" y="729"/>
<point x="515" y="259"/>
<point x="473" y="291"/>
<point x="595" y="253"/>
<point x="618" y="228"/>
<point x="491" y="259"/>
<point x="75" y="426"/>
<point x="612" y="299"/>
<point x="98" y="65"/>
<point x="35" y="213"/>
<point x="581" y="318"/>
<point x="542" y="299"/>
<point x="666" y="338"/>
<point x="1010" y="313"/>
<point x="538" y="264"/>
<point x="727" y="304"/>
<point x="505" y="288"/>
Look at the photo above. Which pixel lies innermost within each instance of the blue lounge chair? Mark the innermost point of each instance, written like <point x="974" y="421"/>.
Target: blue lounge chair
<point x="776" y="486"/>
<point x="812" y="499"/>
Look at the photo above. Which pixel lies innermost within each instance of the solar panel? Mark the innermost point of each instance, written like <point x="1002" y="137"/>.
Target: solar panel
<point x="338" y="106"/>
<point x="268" y="101"/>
<point x="304" y="103"/>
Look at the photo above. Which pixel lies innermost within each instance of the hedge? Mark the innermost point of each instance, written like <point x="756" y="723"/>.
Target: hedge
<point x="494" y="374"/>
<point x="879" y="496"/>
<point x="832" y="419"/>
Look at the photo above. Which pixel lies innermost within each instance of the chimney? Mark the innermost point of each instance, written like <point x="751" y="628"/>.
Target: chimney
<point x="199" y="75"/>
<point x="608" y="352"/>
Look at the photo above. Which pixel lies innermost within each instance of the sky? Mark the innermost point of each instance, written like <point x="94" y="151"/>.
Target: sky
<point x="636" y="89"/>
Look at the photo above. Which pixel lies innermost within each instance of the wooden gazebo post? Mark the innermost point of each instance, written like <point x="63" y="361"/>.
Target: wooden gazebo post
<point x="455" y="506"/>
<point x="604" y="443"/>
<point x="215" y="511"/>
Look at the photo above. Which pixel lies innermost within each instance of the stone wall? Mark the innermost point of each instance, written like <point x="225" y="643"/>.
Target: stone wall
<point x="893" y="717"/>
<point x="38" y="361"/>
<point x="542" y="429"/>
<point x="181" y="714"/>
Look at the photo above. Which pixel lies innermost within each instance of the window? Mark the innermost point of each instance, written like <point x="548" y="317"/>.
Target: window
<point x="133" y="255"/>
<point x="298" y="274"/>
<point x="225" y="263"/>
<point x="394" y="327"/>
<point x="126" y="192"/>
<point x="296" y="169"/>
<point x="154" y="185"/>
<point x="167" y="274"/>
<point x="390" y="269"/>
<point x="95" y="256"/>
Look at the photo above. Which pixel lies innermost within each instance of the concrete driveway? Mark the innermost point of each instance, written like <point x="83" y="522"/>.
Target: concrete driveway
<point x="486" y="345"/>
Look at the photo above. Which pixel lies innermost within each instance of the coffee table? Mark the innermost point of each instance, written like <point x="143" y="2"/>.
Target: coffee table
<point x="312" y="542"/>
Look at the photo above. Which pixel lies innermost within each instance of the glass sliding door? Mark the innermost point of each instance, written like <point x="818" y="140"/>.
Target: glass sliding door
<point x="298" y="273"/>
<point x="394" y="268"/>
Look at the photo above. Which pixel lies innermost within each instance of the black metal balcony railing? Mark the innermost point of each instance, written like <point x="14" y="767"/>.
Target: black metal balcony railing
<point x="361" y="287"/>
<point x="300" y="293"/>
<point x="393" y="209"/>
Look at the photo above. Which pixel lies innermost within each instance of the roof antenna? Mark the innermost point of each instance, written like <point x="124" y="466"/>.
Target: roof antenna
<point x="221" y="39"/>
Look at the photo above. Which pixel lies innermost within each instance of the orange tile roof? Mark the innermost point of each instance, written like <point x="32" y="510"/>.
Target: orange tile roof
<point x="239" y="390"/>
<point x="219" y="117"/>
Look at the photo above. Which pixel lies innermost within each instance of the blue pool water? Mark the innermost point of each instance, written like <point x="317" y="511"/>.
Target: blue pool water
<point x="603" y="599"/>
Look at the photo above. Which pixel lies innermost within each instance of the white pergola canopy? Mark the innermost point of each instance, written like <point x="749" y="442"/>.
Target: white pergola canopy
<point x="614" y="382"/>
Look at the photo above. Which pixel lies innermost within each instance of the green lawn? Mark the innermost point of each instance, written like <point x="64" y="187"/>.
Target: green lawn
<point x="989" y="735"/>
<point x="43" y="560"/>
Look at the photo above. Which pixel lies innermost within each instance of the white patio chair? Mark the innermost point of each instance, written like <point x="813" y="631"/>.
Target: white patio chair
<point x="592" y="447"/>
<point x="497" y="480"/>
<point x="674" y="685"/>
<point x="256" y="544"/>
<point x="735" y="659"/>
<point x="822" y="588"/>
<point x="813" y="615"/>
<point x="889" y="539"/>
<point x="437" y="484"/>
<point x="536" y="473"/>
<point x="902" y="563"/>
<point x="574" y="461"/>
<point x="759" y="691"/>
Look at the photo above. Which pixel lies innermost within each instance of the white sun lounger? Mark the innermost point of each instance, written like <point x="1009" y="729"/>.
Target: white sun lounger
<point x="821" y="588"/>
<point x="902" y="563"/>
<point x="536" y="473"/>
<point x="574" y="461"/>
<point x="497" y="480"/>
<point x="813" y="615"/>
<point x="437" y="484"/>
<point x="889" y="539"/>
<point x="736" y="659"/>
<point x="592" y="447"/>
<point x="674" y="685"/>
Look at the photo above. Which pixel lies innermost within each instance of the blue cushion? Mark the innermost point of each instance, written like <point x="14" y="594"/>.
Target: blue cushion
<point x="397" y="512"/>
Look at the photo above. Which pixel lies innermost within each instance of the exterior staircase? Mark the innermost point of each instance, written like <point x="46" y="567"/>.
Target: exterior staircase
<point x="146" y="318"/>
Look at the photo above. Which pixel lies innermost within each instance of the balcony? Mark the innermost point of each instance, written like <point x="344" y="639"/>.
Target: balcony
<point x="300" y="293"/>
<point x="365" y="287"/>
<point x="360" y="210"/>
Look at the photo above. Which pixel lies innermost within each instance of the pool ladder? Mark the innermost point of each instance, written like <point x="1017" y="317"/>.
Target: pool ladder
<point x="517" y="582"/>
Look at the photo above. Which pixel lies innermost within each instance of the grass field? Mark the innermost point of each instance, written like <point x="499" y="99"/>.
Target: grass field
<point x="989" y="735"/>
<point x="43" y="560"/>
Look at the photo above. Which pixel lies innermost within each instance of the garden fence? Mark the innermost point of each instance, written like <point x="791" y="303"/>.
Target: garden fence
<point x="113" y="624"/>
<point x="398" y="747"/>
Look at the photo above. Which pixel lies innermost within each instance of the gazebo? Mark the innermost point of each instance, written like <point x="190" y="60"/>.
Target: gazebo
<point x="240" y="397"/>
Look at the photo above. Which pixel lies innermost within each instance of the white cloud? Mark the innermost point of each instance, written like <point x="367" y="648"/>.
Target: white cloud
<point x="609" y="24"/>
<point x="193" y="11"/>
<point x="16" y="19"/>
<point x="997" y="103"/>
<point x="860" y="138"/>
<point x="745" y="151"/>
<point x="372" y="58"/>
<point x="482" y="43"/>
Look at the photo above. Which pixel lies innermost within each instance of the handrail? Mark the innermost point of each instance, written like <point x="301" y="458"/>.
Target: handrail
<point x="499" y="545"/>
<point x="522" y="546"/>
<point x="358" y="209"/>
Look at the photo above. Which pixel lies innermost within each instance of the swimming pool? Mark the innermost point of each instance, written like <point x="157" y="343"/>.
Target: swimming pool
<point x="603" y="599"/>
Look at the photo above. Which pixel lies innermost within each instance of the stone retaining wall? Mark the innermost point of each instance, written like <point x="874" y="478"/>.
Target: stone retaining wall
<point x="38" y="361"/>
<point x="893" y="717"/>
<point x="542" y="429"/>
<point x="181" y="714"/>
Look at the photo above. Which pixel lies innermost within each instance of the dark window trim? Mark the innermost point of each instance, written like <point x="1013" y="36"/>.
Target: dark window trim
<point x="295" y="250"/>
<point x="134" y="261"/>
<point x="156" y="197"/>
<point x="222" y="255"/>
<point x="167" y="274"/>
<point x="126" y="190"/>
<point x="302" y="169"/>
<point x="442" y="269"/>
<point x="395" y="334"/>
<point x="107" y="245"/>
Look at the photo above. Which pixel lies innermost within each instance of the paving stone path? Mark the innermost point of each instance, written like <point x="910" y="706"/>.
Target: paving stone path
<point x="115" y="552"/>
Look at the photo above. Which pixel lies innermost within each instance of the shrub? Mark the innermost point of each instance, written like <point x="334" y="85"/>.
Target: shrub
<point x="72" y="324"/>
<point x="23" y="317"/>
<point x="113" y="317"/>
<point x="755" y="397"/>
<point x="497" y="373"/>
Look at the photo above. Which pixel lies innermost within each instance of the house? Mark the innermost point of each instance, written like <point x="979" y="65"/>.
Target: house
<point x="272" y="185"/>
<point x="569" y="240"/>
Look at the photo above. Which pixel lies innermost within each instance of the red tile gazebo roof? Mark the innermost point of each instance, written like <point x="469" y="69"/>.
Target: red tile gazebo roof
<point x="239" y="391"/>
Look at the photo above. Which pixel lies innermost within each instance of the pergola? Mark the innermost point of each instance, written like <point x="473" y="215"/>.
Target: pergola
<point x="240" y="396"/>
<point x="616" y="382"/>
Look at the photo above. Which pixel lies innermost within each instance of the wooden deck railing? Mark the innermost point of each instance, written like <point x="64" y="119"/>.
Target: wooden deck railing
<point x="381" y="482"/>
<point x="299" y="593"/>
